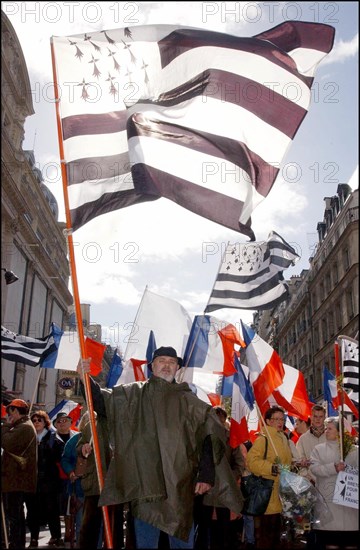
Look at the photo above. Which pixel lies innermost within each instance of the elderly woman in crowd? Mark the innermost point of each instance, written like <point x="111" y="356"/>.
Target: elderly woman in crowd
<point x="342" y="529"/>
<point x="46" y="500"/>
<point x="270" y="449"/>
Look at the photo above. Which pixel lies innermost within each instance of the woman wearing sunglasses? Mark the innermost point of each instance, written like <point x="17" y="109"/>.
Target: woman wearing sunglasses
<point x="44" y="506"/>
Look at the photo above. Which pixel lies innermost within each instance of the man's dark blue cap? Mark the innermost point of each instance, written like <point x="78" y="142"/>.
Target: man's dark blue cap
<point x="167" y="351"/>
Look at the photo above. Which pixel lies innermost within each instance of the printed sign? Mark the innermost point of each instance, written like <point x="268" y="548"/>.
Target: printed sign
<point x="66" y="383"/>
<point x="347" y="489"/>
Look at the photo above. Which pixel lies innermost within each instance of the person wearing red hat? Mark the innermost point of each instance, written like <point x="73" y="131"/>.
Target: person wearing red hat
<point x="19" y="468"/>
<point x="168" y="447"/>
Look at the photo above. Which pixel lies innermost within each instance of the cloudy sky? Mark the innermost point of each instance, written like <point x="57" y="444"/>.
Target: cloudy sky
<point x="159" y="244"/>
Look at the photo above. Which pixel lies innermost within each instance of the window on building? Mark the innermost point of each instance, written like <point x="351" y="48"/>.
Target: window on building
<point x="331" y="323"/>
<point x="311" y="384"/>
<point x="316" y="339"/>
<point x="350" y="303"/>
<point x="328" y="283"/>
<point x="322" y="293"/>
<point x="335" y="273"/>
<point x="41" y="395"/>
<point x="346" y="259"/>
<point x="324" y="329"/>
<point x="314" y="301"/>
<point x="338" y="315"/>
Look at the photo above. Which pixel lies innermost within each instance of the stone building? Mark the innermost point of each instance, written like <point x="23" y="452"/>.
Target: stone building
<point x="32" y="240"/>
<point x="324" y="299"/>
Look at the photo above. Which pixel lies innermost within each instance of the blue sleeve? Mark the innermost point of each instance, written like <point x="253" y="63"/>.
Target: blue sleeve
<point x="68" y="458"/>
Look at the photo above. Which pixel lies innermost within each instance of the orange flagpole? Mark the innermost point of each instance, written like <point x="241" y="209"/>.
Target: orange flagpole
<point x="107" y="529"/>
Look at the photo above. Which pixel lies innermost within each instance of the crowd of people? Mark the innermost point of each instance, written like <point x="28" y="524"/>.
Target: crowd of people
<point x="171" y="478"/>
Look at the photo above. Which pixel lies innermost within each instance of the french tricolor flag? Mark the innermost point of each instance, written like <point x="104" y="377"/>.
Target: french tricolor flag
<point x="241" y="406"/>
<point x="332" y="397"/>
<point x="211" y="345"/>
<point x="292" y="394"/>
<point x="266" y="368"/>
<point x="71" y="408"/>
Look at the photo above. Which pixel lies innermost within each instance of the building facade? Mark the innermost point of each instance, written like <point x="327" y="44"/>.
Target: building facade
<point x="324" y="300"/>
<point x="32" y="240"/>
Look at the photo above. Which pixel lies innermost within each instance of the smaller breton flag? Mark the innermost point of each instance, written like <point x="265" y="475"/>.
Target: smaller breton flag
<point x="350" y="368"/>
<point x="25" y="349"/>
<point x="250" y="275"/>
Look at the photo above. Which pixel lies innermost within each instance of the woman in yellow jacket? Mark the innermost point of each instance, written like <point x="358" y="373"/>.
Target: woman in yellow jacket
<point x="263" y="459"/>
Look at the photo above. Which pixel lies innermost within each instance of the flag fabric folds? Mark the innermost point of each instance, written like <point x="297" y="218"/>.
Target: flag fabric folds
<point x="65" y="352"/>
<point x="199" y="117"/>
<point x="330" y="393"/>
<point x="292" y="393"/>
<point x="25" y="349"/>
<point x="350" y="369"/>
<point x="57" y="350"/>
<point x="168" y="320"/>
<point x="115" y="370"/>
<point x="250" y="275"/>
<point x="242" y="404"/>
<point x="334" y="395"/>
<point x="71" y="408"/>
<point x="95" y="350"/>
<point x="211" y="345"/>
<point x="266" y="368"/>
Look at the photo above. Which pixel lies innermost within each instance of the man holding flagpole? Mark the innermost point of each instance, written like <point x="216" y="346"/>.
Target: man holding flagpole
<point x="168" y="446"/>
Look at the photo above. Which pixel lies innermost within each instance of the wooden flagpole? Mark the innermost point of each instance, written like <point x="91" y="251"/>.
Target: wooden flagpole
<point x="68" y="231"/>
<point x="261" y="418"/>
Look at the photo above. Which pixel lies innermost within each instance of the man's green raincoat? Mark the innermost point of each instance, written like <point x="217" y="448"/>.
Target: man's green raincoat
<point x="157" y="431"/>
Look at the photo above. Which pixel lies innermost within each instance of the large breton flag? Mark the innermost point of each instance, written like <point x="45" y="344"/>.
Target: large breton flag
<point x="201" y="118"/>
<point x="250" y="275"/>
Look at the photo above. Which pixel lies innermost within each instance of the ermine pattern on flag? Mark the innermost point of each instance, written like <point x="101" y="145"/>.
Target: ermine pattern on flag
<point x="250" y="275"/>
<point x="199" y="117"/>
<point x="350" y="369"/>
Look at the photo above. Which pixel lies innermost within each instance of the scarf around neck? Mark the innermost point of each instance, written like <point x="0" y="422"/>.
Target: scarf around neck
<point x="317" y="432"/>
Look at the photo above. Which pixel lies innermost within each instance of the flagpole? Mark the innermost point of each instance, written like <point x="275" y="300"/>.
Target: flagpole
<point x="265" y="427"/>
<point x="68" y="233"/>
<point x="341" y="398"/>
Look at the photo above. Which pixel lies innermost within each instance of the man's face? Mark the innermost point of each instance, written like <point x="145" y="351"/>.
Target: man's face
<point x="317" y="419"/>
<point x="13" y="415"/>
<point x="165" y="367"/>
<point x="63" y="425"/>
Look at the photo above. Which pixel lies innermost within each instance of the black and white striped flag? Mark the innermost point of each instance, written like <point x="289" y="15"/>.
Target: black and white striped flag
<point x="250" y="275"/>
<point x="24" y="349"/>
<point x="201" y="118"/>
<point x="350" y="369"/>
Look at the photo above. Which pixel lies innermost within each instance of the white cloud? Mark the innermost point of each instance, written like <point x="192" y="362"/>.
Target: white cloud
<point x="342" y="51"/>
